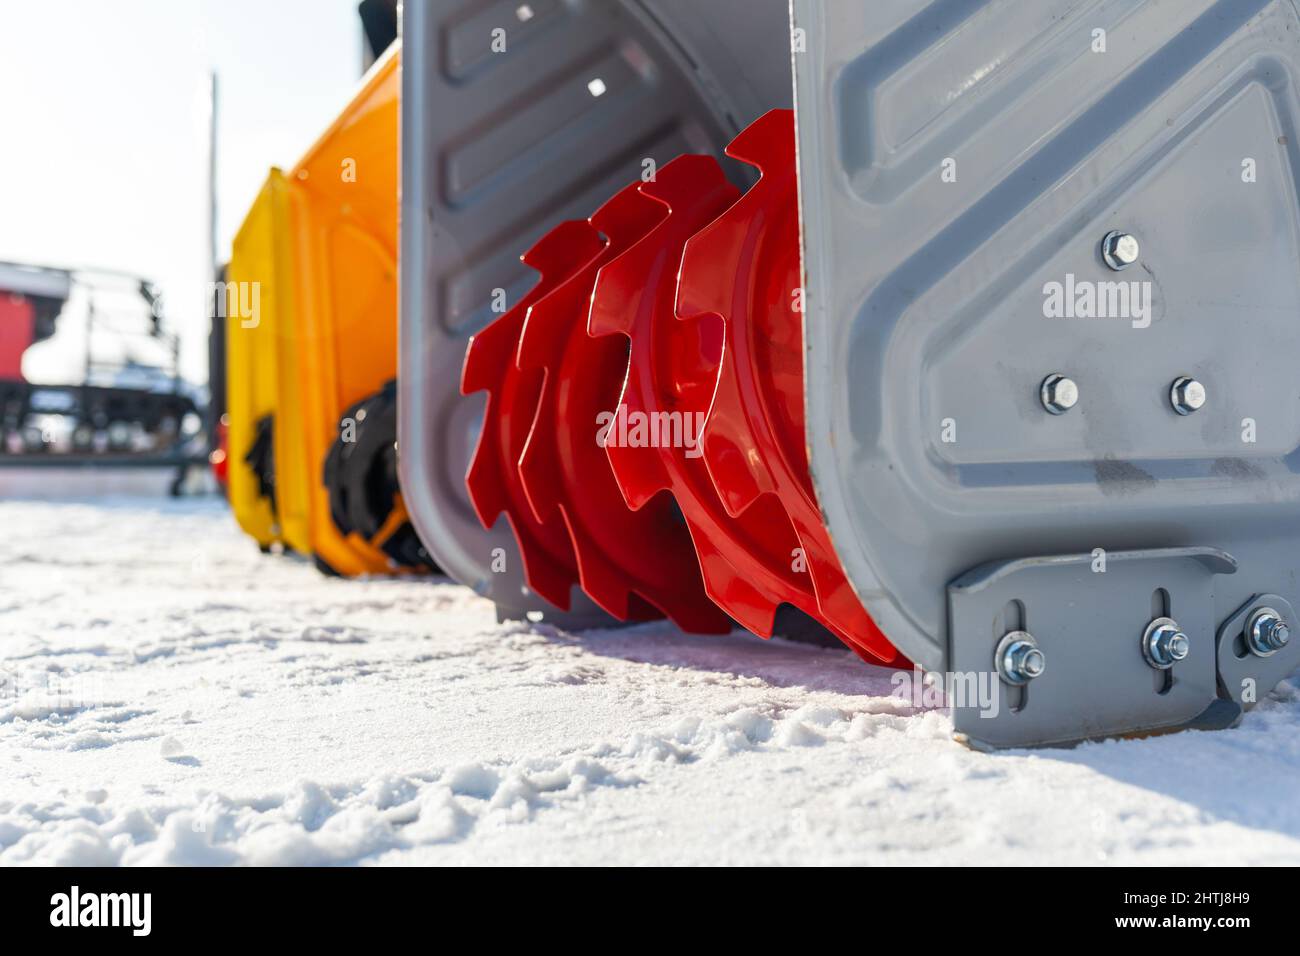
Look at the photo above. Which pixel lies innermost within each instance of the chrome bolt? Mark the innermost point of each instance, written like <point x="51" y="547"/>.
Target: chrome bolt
<point x="1267" y="632"/>
<point x="1186" y="395"/>
<point x="1018" y="658"/>
<point x="1120" y="250"/>
<point x="1058" y="393"/>
<point x="1164" y="644"/>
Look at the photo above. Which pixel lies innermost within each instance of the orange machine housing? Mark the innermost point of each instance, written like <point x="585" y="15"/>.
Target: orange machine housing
<point x="344" y="195"/>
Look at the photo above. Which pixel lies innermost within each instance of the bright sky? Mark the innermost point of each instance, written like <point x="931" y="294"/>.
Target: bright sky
<point x="103" y="128"/>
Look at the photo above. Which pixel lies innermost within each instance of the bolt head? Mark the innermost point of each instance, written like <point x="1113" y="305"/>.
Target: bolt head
<point x="1187" y="395"/>
<point x="1164" y="644"/>
<point x="1120" y="250"/>
<point x="1267" y="632"/>
<point x="1032" y="663"/>
<point x="1018" y="658"/>
<point x="1058" y="393"/>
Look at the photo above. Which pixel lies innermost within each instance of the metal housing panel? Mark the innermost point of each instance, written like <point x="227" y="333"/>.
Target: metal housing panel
<point x="960" y="158"/>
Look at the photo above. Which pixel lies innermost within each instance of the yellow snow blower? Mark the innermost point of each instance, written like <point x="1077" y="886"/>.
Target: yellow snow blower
<point x="310" y="308"/>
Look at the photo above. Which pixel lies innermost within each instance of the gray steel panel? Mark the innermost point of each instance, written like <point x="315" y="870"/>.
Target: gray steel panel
<point x="926" y="298"/>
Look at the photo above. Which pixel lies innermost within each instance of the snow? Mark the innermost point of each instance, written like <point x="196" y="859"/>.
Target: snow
<point x="170" y="695"/>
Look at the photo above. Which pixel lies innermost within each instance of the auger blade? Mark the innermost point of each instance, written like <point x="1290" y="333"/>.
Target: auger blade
<point x="493" y="478"/>
<point x="629" y="562"/>
<point x="719" y="276"/>
<point x="672" y="369"/>
<point x="745" y="267"/>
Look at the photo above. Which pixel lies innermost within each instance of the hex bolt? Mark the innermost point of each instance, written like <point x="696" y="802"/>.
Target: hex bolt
<point x="1164" y="644"/>
<point x="1058" y="393"/>
<point x="1267" y="632"/>
<point x="1019" y="659"/>
<point x="1186" y="395"/>
<point x="1119" y="250"/>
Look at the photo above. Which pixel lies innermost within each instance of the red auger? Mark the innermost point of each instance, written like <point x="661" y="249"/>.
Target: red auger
<point x="645" y="421"/>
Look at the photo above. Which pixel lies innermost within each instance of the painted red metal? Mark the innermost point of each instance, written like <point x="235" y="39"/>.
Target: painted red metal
<point x="493" y="479"/>
<point x="672" y="371"/>
<point x="644" y="432"/>
<point x="17" y="332"/>
<point x="745" y="268"/>
<point x="629" y="562"/>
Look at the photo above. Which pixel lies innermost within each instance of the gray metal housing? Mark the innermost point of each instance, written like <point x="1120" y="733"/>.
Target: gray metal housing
<point x="959" y="158"/>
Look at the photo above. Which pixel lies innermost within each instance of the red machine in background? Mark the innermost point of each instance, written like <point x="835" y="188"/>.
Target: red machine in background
<point x="30" y="301"/>
<point x="125" y="403"/>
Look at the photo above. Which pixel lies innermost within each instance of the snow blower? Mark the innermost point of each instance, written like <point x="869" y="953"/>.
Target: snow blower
<point x="256" y="304"/>
<point x="312" y="350"/>
<point x="973" y="350"/>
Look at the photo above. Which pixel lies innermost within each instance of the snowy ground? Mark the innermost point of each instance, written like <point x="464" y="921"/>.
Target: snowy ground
<point x="170" y="695"/>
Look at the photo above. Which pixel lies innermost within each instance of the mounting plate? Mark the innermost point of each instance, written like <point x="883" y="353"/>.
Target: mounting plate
<point x="1088" y="614"/>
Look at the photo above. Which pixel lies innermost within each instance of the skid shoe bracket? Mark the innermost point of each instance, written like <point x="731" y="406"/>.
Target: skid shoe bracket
<point x="1054" y="650"/>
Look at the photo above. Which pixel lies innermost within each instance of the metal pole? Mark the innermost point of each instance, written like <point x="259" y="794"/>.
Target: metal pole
<point x="214" y="410"/>
<point x="212" y="175"/>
